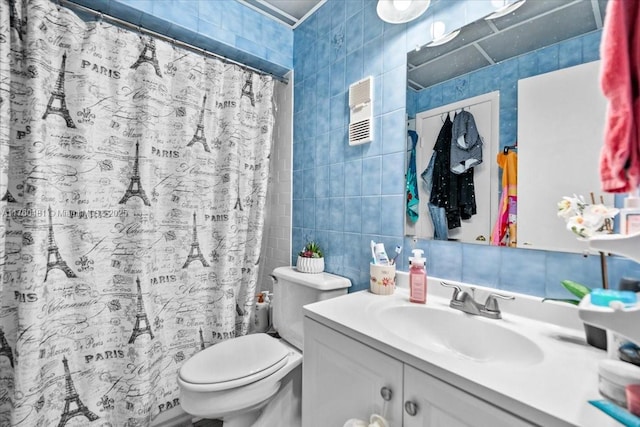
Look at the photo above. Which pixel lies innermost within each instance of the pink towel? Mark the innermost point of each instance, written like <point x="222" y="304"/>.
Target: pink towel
<point x="620" y="79"/>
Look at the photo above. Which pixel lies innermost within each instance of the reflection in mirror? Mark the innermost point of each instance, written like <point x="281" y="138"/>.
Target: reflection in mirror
<point x="516" y="57"/>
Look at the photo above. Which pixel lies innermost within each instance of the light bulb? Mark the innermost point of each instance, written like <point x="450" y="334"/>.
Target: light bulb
<point x="437" y="29"/>
<point x="401" y="5"/>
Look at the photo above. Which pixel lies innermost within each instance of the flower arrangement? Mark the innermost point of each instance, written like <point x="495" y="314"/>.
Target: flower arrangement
<point x="584" y="219"/>
<point x="311" y="250"/>
<point x="310" y="259"/>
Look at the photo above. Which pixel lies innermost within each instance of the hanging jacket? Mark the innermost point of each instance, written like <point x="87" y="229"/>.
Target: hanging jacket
<point x="453" y="192"/>
<point x="466" y="145"/>
<point x="413" y="201"/>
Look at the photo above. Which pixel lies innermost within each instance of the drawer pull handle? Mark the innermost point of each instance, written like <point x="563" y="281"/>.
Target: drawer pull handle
<point x="386" y="393"/>
<point x="411" y="408"/>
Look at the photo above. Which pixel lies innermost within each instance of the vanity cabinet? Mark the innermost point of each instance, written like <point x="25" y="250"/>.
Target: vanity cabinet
<point x="435" y="403"/>
<point x="343" y="379"/>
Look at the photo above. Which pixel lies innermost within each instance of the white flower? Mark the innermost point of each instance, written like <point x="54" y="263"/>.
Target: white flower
<point x="602" y="210"/>
<point x="570" y="206"/>
<point x="582" y="226"/>
<point x="586" y="220"/>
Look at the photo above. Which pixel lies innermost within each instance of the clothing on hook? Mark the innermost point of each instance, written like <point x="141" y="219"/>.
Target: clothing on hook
<point x="466" y="144"/>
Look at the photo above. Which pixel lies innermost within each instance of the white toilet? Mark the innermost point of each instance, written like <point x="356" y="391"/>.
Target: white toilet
<point x="236" y="380"/>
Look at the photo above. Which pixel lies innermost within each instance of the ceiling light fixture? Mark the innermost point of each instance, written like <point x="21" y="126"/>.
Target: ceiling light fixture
<point x="443" y="39"/>
<point x="504" y="8"/>
<point x="439" y="35"/>
<point x="401" y="11"/>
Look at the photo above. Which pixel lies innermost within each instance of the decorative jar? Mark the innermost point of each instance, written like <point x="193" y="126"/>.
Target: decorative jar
<point x="310" y="265"/>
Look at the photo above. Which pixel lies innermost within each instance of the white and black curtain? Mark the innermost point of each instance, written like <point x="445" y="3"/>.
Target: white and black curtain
<point x="133" y="177"/>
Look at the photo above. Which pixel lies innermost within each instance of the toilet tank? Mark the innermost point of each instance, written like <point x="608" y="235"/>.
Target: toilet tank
<point x="292" y="290"/>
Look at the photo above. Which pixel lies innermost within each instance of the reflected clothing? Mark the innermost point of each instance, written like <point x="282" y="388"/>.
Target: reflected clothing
<point x="413" y="200"/>
<point x="453" y="192"/>
<point x="466" y="143"/>
<point x="504" y="230"/>
<point x="438" y="214"/>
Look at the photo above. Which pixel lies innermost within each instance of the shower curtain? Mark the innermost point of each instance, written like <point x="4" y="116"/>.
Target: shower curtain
<point x="133" y="177"/>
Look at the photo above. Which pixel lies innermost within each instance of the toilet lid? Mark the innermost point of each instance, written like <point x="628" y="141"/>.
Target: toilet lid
<point x="240" y="361"/>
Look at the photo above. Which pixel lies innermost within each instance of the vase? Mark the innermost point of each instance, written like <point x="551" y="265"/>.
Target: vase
<point x="597" y="337"/>
<point x="310" y="265"/>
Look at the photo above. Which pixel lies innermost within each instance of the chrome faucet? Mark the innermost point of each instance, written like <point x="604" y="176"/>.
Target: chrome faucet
<point x="463" y="301"/>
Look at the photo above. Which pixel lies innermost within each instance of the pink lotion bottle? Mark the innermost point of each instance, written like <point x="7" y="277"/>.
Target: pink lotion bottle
<point x="417" y="277"/>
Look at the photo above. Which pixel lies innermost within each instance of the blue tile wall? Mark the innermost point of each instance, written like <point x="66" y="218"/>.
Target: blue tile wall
<point x="347" y="41"/>
<point x="225" y="27"/>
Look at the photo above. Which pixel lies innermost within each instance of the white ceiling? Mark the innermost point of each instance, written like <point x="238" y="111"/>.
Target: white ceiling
<point x="290" y="12"/>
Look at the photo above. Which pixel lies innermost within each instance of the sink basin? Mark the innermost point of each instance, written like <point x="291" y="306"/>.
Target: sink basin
<point x="466" y="336"/>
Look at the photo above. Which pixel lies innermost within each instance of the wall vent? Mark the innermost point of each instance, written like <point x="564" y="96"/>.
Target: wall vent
<point x="361" y="106"/>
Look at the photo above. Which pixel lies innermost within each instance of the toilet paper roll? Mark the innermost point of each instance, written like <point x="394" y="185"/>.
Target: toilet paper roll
<point x="261" y="317"/>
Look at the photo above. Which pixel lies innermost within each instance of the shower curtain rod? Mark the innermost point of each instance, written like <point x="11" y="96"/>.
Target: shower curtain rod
<point x="102" y="16"/>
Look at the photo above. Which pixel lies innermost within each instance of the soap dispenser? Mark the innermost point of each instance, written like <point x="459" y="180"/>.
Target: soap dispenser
<point x="417" y="277"/>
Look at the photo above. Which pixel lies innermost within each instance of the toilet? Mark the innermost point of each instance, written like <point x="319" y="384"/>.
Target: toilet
<point x="236" y="380"/>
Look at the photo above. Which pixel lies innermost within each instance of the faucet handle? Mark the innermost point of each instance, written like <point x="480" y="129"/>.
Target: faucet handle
<point x="456" y="290"/>
<point x="491" y="304"/>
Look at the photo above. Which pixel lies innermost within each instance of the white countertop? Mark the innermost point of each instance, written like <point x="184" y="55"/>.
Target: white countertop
<point x="551" y="392"/>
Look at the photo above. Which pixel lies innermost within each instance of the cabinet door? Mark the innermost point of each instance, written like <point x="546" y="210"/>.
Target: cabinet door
<point x="439" y="404"/>
<point x="343" y="379"/>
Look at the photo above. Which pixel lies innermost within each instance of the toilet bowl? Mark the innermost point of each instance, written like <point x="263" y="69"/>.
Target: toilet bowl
<point x="245" y="375"/>
<point x="236" y="379"/>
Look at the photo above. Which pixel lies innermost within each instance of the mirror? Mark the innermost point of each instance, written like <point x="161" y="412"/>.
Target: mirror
<point x="495" y="69"/>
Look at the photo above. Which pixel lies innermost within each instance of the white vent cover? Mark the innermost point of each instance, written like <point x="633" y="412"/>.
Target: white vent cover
<point x="361" y="106"/>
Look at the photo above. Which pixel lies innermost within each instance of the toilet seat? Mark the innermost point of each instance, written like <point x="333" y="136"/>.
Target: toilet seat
<point x="234" y="363"/>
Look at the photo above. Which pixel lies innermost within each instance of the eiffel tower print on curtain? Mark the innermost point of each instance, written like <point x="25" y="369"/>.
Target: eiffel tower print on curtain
<point x="148" y="55"/>
<point x="247" y="89"/>
<point x="198" y="136"/>
<point x="72" y="397"/>
<point x="195" y="254"/>
<point x="238" y="205"/>
<point x="20" y="25"/>
<point x="141" y="318"/>
<point x="8" y="197"/>
<point x="5" y="350"/>
<point x="54" y="260"/>
<point x="58" y="96"/>
<point x="135" y="189"/>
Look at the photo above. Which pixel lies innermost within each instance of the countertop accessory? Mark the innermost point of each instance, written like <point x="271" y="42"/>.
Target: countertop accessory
<point x="633" y="398"/>
<point x="616" y="412"/>
<point x="613" y="377"/>
<point x="382" y="279"/>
